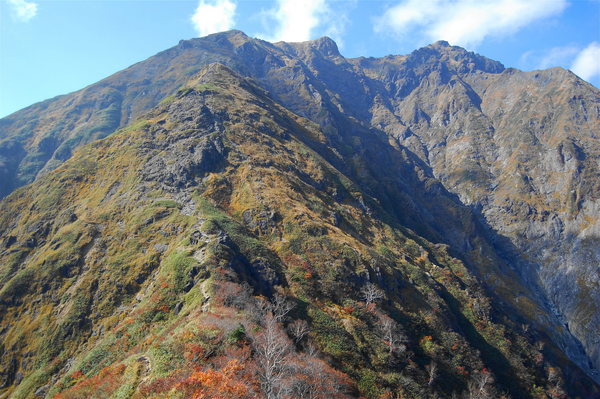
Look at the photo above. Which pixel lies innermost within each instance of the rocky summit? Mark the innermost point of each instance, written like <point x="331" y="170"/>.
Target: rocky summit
<point x="233" y="218"/>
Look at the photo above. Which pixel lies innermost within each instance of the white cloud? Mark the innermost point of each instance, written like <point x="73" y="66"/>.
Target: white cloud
<point x="464" y="22"/>
<point x="587" y="63"/>
<point x="23" y="9"/>
<point x="297" y="21"/>
<point x="214" y="16"/>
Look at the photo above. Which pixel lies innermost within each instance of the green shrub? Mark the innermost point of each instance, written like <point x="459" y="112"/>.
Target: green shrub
<point x="237" y="334"/>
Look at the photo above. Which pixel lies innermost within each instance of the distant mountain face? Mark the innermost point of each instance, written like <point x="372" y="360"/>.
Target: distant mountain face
<point x="287" y="165"/>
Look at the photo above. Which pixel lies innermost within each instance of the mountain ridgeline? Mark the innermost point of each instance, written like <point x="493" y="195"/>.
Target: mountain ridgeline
<point x="256" y="219"/>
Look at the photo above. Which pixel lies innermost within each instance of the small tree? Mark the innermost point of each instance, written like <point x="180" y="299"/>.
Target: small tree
<point x="280" y="307"/>
<point x="298" y="329"/>
<point x="259" y="307"/>
<point x="311" y="350"/>
<point x="481" y="307"/>
<point x="391" y="334"/>
<point x="432" y="372"/>
<point x="312" y="378"/>
<point x="483" y="379"/>
<point x="272" y="348"/>
<point x="479" y="386"/>
<point x="371" y="293"/>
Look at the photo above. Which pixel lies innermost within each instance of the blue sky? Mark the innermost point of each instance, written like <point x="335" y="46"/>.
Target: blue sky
<point x="52" y="47"/>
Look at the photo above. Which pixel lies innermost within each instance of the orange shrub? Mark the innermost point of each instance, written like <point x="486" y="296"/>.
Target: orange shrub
<point x="348" y="309"/>
<point x="102" y="385"/>
<point x="218" y="384"/>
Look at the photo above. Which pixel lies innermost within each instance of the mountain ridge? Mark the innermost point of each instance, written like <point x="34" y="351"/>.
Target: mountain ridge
<point x="194" y="148"/>
<point x="389" y="111"/>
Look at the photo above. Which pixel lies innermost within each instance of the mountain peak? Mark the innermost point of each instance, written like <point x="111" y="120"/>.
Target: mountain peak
<point x="325" y="45"/>
<point x="440" y="43"/>
<point x="228" y="38"/>
<point x="229" y="33"/>
<point x="456" y="57"/>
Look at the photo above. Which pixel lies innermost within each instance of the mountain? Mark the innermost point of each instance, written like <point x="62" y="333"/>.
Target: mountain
<point x="430" y="218"/>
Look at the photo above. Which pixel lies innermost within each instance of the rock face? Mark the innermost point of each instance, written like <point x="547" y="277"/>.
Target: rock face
<point x="522" y="150"/>
<point x="498" y="166"/>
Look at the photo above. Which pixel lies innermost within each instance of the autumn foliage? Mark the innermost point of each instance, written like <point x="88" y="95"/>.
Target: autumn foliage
<point x="224" y="383"/>
<point x="102" y="385"/>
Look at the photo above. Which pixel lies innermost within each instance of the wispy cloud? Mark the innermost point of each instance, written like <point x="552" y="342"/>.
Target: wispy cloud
<point x="336" y="20"/>
<point x="297" y="21"/>
<point x="464" y="22"/>
<point x="542" y="59"/>
<point x="214" y="16"/>
<point x="557" y="56"/>
<point x="587" y="63"/>
<point x="23" y="9"/>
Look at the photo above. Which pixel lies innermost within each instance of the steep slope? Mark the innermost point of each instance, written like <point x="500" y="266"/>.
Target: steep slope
<point x="133" y="269"/>
<point x="520" y="150"/>
<point x="498" y="138"/>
